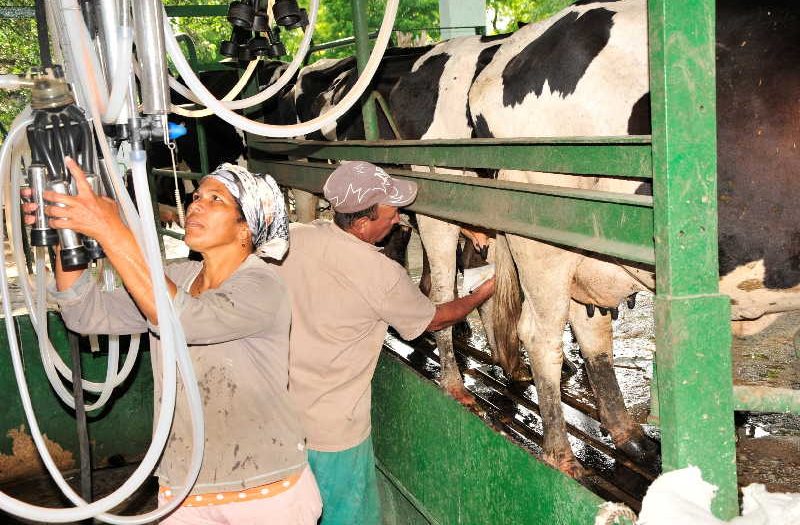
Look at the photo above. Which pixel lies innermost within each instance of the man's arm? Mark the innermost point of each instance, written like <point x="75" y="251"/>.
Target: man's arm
<point x="448" y="314"/>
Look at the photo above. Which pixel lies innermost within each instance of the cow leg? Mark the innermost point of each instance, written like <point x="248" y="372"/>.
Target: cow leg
<point x="544" y="349"/>
<point x="440" y="239"/>
<point x="546" y="273"/>
<point x="594" y="336"/>
<point x="305" y="205"/>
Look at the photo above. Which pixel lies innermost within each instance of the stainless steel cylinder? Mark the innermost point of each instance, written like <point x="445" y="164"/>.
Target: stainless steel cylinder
<point x="148" y="19"/>
<point x="41" y="233"/>
<point x="73" y="252"/>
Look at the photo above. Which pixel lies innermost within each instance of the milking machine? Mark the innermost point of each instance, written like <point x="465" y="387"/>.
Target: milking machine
<point x="100" y="106"/>
<point x="59" y="129"/>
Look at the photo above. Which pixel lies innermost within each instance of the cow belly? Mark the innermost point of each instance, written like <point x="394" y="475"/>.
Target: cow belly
<point x="750" y="298"/>
<point x="603" y="283"/>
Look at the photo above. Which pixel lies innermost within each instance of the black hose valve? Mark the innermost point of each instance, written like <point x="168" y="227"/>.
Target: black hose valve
<point x="289" y="15"/>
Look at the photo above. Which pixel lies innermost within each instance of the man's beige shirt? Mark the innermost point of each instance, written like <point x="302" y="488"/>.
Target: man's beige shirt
<point x="344" y="293"/>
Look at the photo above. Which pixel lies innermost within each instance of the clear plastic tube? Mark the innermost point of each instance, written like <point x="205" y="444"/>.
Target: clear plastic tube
<point x="51" y="360"/>
<point x="272" y="89"/>
<point x="291" y="130"/>
<point x="171" y="330"/>
<point x="230" y="95"/>
<point x="33" y="512"/>
<point x="122" y="74"/>
<point x="83" y="58"/>
<point x="173" y="342"/>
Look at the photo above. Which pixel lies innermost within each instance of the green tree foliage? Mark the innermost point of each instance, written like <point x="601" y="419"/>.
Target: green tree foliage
<point x="505" y="15"/>
<point x="19" y="51"/>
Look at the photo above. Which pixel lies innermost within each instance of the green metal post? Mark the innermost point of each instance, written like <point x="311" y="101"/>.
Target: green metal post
<point x="361" y="32"/>
<point x="692" y="318"/>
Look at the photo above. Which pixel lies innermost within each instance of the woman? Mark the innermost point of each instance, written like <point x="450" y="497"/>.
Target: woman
<point x="235" y="312"/>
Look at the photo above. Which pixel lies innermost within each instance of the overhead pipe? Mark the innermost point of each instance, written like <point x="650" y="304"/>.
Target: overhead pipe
<point x="148" y="22"/>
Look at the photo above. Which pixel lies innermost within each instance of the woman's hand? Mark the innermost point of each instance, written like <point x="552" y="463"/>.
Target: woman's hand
<point x="86" y="213"/>
<point x="28" y="207"/>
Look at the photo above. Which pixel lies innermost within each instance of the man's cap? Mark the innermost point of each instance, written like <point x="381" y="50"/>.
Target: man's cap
<point x="357" y="185"/>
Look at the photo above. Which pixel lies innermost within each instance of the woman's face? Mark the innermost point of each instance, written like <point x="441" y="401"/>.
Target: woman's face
<point x="213" y="218"/>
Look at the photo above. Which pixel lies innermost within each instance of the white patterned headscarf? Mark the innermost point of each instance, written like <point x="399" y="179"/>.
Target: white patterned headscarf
<point x="263" y="207"/>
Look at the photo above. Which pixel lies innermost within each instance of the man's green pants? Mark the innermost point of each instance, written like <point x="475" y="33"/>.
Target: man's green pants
<point x="348" y="485"/>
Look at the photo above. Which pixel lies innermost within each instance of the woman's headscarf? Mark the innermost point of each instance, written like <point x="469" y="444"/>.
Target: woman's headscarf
<point x="263" y="207"/>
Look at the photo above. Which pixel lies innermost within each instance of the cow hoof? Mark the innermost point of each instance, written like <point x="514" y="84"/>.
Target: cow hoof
<point x="462" y="330"/>
<point x="641" y="449"/>
<point x="567" y="463"/>
<point x="522" y="374"/>
<point x="461" y="394"/>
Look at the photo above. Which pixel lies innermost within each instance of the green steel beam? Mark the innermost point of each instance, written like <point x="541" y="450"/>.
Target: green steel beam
<point x="172" y="11"/>
<point x="692" y="319"/>
<point x="619" y="225"/>
<point x="613" y="156"/>
<point x="361" y="34"/>
<point x="766" y="399"/>
<point x="341" y="42"/>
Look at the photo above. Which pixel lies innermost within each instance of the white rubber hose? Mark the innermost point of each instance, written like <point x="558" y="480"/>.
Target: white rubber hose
<point x="33" y="512"/>
<point x="291" y="130"/>
<point x="170" y="332"/>
<point x="230" y="95"/>
<point x="50" y="357"/>
<point x="272" y="89"/>
<point x="122" y="76"/>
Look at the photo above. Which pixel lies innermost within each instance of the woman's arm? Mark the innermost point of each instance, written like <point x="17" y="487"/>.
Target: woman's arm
<point x="98" y="217"/>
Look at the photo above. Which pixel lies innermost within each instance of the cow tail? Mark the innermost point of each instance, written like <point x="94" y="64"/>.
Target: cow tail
<point x="506" y="309"/>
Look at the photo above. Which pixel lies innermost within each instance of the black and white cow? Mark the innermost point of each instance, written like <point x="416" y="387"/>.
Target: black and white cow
<point x="431" y="103"/>
<point x="584" y="72"/>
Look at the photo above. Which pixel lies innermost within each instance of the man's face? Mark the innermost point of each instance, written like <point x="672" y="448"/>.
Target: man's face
<point x="373" y="231"/>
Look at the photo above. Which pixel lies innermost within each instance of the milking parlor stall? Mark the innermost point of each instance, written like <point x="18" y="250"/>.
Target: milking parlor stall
<point x="626" y="168"/>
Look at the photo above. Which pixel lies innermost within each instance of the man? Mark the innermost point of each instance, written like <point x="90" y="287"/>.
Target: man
<point x="345" y="294"/>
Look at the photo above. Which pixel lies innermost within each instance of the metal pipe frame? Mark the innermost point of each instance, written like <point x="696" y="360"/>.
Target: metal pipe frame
<point x="152" y="55"/>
